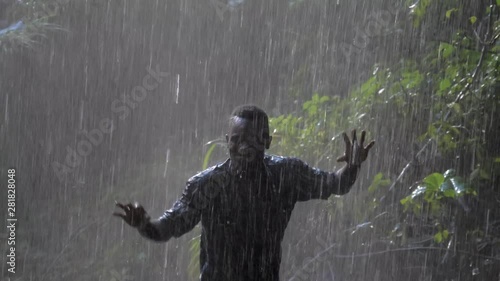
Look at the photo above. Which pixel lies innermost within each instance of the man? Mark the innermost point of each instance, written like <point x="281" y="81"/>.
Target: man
<point x="244" y="204"/>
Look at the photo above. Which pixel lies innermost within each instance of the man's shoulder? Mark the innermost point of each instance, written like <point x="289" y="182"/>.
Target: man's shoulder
<point x="276" y="161"/>
<point x="216" y="173"/>
<point x="281" y="160"/>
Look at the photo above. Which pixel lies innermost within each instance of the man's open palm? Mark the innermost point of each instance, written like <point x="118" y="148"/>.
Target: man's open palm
<point x="355" y="153"/>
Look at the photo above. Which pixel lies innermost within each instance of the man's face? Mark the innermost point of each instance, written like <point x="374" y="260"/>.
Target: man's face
<point x="247" y="141"/>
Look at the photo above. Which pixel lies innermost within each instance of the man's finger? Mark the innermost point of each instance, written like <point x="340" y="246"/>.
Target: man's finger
<point x="342" y="159"/>
<point x="370" y="145"/>
<point x="353" y="136"/>
<point x="363" y="133"/>
<point x="120" y="205"/>
<point x="346" y="139"/>
<point x="119" y="215"/>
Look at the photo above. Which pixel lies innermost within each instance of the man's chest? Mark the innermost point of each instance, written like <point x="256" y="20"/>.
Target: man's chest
<point x="253" y="207"/>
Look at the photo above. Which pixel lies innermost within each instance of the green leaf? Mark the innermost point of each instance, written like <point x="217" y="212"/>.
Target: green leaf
<point x="497" y="160"/>
<point x="377" y="182"/>
<point x="473" y="19"/>
<point x="450" y="193"/>
<point x="411" y="79"/>
<point x="405" y="200"/>
<point x="441" y="236"/>
<point x="446" y="49"/>
<point x="434" y="181"/>
<point x="498" y="3"/>
<point x="444" y="84"/>
<point x="449" y="12"/>
<point x="471" y="191"/>
<point x="313" y="109"/>
<point x="369" y="87"/>
<point x="438" y="237"/>
<point x="206" y="159"/>
<point x="324" y="99"/>
<point x="306" y="105"/>
<point x="446" y="234"/>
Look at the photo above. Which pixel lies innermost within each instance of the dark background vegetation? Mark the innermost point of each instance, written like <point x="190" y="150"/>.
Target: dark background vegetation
<point x="421" y="77"/>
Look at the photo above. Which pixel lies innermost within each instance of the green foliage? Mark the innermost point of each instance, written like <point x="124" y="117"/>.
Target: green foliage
<point x="418" y="10"/>
<point x="450" y="11"/>
<point x="433" y="195"/>
<point x="208" y="155"/>
<point x="441" y="236"/>
<point x="309" y="133"/>
<point x="450" y="95"/>
<point x="378" y="182"/>
<point x="432" y="191"/>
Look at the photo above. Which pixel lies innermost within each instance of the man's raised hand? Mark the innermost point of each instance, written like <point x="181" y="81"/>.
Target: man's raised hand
<point x="135" y="215"/>
<point x="355" y="153"/>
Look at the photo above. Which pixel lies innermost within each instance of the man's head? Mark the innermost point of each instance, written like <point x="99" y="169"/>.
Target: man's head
<point x="248" y="136"/>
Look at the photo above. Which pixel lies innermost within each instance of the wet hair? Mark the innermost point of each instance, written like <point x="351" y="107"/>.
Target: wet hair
<point x="252" y="113"/>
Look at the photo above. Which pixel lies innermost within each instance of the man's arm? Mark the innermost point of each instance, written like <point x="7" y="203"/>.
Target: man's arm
<point x="186" y="212"/>
<point x="173" y="223"/>
<point x="181" y="218"/>
<point x="312" y="183"/>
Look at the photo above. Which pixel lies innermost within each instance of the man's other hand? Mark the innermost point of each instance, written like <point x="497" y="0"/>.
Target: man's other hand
<point x="135" y="215"/>
<point x="355" y="153"/>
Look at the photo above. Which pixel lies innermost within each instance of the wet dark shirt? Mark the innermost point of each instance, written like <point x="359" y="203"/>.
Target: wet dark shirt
<point x="244" y="221"/>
